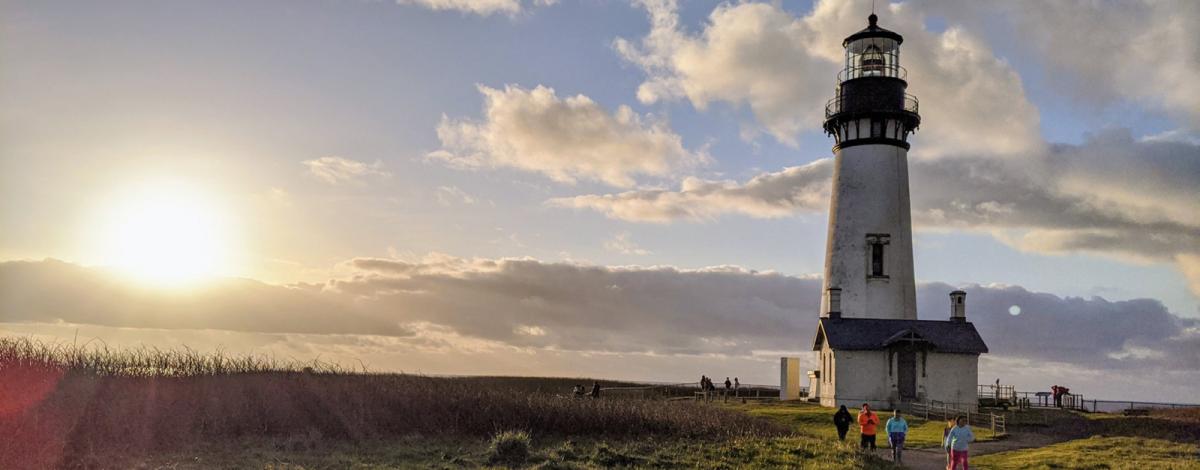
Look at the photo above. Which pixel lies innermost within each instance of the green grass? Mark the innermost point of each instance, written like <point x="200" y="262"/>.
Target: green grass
<point x="1097" y="453"/>
<point x="817" y="421"/>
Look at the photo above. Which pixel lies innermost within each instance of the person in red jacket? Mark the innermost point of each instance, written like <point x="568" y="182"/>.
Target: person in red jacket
<point x="867" y="421"/>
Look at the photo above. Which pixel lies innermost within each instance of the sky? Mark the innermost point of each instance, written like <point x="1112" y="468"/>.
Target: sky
<point x="633" y="190"/>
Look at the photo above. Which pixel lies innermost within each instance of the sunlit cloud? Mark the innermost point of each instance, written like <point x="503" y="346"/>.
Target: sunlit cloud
<point x="338" y="170"/>
<point x="479" y="7"/>
<point x="565" y="139"/>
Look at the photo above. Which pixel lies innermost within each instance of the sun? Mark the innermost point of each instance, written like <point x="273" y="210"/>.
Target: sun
<point x="165" y="233"/>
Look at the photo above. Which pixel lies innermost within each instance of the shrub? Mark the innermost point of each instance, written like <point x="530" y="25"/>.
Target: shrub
<point x="510" y="447"/>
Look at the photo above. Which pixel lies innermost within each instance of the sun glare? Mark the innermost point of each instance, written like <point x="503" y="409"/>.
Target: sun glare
<point x="166" y="234"/>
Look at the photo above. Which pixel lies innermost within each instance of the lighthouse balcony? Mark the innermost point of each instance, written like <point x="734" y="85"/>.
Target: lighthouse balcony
<point x="859" y="104"/>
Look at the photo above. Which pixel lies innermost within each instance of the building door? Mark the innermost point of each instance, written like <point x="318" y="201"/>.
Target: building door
<point x="906" y="362"/>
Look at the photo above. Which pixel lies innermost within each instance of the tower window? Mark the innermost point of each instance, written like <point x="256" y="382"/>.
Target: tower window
<point x="876" y="128"/>
<point x="877" y="259"/>
<point x="876" y="242"/>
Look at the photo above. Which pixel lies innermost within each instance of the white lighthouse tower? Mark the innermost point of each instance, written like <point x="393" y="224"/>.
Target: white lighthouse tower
<point x="870" y="346"/>
<point x="869" y="251"/>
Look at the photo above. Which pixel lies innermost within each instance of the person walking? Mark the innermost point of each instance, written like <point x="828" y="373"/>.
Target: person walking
<point x="736" y="386"/>
<point x="867" y="421"/>
<point x="596" y="389"/>
<point x="946" y="432"/>
<point x="842" y="420"/>
<point x="957" y="441"/>
<point x="897" y="429"/>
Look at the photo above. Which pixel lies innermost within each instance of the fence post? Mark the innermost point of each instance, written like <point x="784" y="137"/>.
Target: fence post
<point x="993" y="425"/>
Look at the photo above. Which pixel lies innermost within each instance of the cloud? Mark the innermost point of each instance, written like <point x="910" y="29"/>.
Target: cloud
<point x="338" y="170"/>
<point x="780" y="66"/>
<point x="479" y="7"/>
<point x="451" y="195"/>
<point x="621" y="243"/>
<point x="769" y="195"/>
<point x="1112" y="195"/>
<point x="566" y="139"/>
<point x="1146" y="52"/>
<point x="56" y="291"/>
<point x="525" y="311"/>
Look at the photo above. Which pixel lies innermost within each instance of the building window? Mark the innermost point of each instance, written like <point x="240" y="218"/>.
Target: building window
<point x="876" y="128"/>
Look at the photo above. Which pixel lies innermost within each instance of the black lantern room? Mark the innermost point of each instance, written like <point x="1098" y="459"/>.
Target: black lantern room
<point x="871" y="106"/>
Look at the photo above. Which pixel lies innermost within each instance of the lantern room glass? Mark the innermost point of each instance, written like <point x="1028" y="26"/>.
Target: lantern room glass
<point x="872" y="57"/>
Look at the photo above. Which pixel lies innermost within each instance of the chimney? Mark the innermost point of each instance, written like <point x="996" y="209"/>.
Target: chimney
<point x="835" y="302"/>
<point x="958" y="306"/>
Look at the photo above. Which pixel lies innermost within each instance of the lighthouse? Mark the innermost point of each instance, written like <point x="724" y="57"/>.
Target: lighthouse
<point x="868" y="255"/>
<point x="871" y="348"/>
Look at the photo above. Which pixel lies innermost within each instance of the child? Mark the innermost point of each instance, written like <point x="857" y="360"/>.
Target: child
<point x="897" y="428"/>
<point x="956" y="442"/>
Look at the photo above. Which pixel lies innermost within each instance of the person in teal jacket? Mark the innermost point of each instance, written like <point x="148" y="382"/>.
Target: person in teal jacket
<point x="956" y="442"/>
<point x="896" y="428"/>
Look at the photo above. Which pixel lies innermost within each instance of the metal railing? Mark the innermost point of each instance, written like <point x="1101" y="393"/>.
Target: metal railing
<point x="837" y="105"/>
<point x="943" y="411"/>
<point x="860" y="71"/>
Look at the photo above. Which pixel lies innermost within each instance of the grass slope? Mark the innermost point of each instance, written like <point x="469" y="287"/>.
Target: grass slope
<point x="1098" y="453"/>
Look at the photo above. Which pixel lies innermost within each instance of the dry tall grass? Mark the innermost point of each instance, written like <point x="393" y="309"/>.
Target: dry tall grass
<point x="64" y="405"/>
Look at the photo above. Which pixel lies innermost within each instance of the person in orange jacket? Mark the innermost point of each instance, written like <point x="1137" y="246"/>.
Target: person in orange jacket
<point x="867" y="421"/>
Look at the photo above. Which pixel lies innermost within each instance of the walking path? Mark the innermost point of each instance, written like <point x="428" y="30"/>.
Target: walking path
<point x="935" y="458"/>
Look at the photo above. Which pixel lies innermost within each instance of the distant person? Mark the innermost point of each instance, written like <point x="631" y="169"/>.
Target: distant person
<point x="842" y="420"/>
<point x="578" y="391"/>
<point x="867" y="421"/>
<point x="1062" y="392"/>
<point x="728" y="385"/>
<point x="956" y="442"/>
<point x="1057" y="397"/>
<point x="736" y="384"/>
<point x="950" y="423"/>
<point x="897" y="429"/>
<point x="596" y="389"/>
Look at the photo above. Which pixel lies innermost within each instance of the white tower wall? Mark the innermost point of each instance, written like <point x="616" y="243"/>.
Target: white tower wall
<point x="870" y="204"/>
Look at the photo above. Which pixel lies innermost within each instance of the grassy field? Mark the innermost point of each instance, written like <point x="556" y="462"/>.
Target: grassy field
<point x="1098" y="453"/>
<point x="89" y="407"/>
<point x="549" y="453"/>
<point x="816" y="421"/>
<point x="64" y="406"/>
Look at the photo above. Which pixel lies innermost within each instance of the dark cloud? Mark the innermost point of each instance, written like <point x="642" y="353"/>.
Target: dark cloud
<point x="55" y="291"/>
<point x="538" y="306"/>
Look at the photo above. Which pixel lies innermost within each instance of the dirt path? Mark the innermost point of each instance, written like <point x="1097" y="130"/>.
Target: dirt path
<point x="934" y="459"/>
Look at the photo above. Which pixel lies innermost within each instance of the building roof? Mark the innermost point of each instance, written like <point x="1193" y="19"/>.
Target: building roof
<point x="878" y="334"/>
